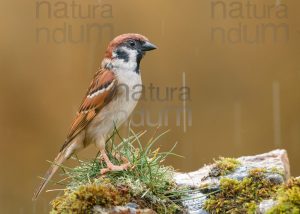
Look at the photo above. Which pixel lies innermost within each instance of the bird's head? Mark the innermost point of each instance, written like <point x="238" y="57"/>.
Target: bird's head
<point x="126" y="51"/>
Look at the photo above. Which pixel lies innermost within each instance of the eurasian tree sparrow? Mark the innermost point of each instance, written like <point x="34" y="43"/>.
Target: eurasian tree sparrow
<point x="106" y="104"/>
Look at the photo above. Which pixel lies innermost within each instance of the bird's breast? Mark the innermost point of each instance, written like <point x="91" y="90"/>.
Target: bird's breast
<point x="117" y="111"/>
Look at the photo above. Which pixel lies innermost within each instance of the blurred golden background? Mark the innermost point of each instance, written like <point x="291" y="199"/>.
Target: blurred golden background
<point x="239" y="60"/>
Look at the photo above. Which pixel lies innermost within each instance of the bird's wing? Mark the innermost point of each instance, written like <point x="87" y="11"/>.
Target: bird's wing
<point x="101" y="91"/>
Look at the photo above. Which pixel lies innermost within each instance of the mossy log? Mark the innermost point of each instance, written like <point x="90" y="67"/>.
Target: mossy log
<point x="258" y="184"/>
<point x="244" y="185"/>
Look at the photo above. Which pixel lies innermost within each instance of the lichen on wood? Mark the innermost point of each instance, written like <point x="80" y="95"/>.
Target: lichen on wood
<point x="288" y="198"/>
<point x="241" y="196"/>
<point x="224" y="166"/>
<point x="85" y="197"/>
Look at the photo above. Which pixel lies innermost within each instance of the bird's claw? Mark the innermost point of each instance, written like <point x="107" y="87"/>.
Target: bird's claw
<point x="111" y="167"/>
<point x="122" y="167"/>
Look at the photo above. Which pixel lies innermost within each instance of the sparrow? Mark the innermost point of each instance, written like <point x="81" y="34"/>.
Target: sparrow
<point x="109" y="100"/>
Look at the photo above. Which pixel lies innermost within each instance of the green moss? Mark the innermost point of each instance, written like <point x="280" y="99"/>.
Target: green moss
<point x="224" y="166"/>
<point x="83" y="199"/>
<point x="288" y="198"/>
<point x="277" y="171"/>
<point x="241" y="196"/>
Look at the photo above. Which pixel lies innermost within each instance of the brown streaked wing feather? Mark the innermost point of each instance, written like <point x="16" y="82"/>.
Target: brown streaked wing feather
<point x="103" y="80"/>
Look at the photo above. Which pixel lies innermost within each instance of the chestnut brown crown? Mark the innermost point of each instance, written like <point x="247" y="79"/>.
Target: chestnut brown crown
<point x="144" y="42"/>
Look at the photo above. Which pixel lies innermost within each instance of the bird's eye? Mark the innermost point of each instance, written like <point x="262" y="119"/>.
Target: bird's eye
<point x="132" y="43"/>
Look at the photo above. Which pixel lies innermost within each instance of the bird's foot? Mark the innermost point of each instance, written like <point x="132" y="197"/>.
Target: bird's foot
<point x="112" y="167"/>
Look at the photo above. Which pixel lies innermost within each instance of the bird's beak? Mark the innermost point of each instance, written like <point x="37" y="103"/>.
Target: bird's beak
<point x="148" y="46"/>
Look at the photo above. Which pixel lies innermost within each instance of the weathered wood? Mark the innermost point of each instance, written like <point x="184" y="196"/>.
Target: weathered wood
<point x="276" y="159"/>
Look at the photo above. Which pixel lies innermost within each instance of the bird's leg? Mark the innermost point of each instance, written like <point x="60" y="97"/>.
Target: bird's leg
<point x="111" y="166"/>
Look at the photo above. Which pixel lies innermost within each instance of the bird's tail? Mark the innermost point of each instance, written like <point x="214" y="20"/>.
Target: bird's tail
<point x="60" y="158"/>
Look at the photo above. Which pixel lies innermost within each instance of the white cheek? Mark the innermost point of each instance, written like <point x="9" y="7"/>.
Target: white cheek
<point x="132" y="54"/>
<point x="125" y="66"/>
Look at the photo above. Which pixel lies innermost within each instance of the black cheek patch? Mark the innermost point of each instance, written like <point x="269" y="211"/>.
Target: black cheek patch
<point x="138" y="61"/>
<point x="121" y="54"/>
